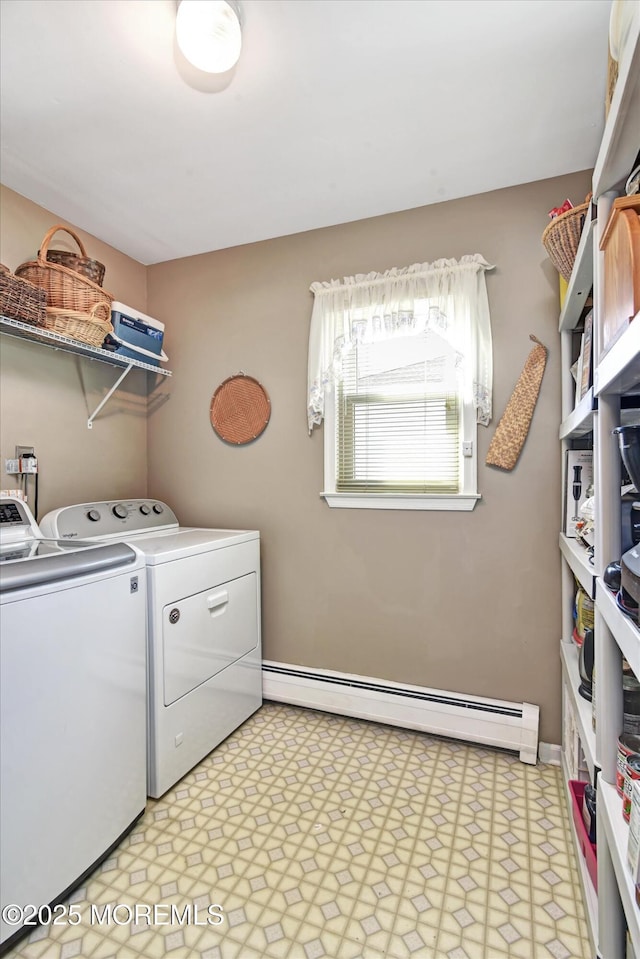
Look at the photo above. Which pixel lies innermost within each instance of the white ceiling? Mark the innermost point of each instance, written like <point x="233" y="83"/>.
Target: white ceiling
<point x="337" y="110"/>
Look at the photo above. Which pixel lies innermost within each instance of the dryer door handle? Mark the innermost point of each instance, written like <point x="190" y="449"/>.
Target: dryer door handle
<point x="217" y="602"/>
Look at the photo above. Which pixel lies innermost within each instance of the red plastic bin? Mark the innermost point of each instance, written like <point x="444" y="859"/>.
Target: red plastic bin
<point x="587" y="848"/>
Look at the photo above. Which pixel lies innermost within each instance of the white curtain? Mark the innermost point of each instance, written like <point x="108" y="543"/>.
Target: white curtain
<point x="447" y="297"/>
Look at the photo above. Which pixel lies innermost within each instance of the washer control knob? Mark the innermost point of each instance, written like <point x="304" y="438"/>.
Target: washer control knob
<point x="157" y="509"/>
<point x="145" y="509"/>
<point x="93" y="515"/>
<point x="119" y="511"/>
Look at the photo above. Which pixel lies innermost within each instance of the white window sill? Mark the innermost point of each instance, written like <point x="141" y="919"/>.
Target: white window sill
<point x="458" y="501"/>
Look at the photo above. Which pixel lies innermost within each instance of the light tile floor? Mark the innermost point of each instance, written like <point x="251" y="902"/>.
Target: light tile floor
<point x="325" y="836"/>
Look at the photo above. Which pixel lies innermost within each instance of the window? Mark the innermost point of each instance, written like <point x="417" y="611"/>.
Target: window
<point x="397" y="429"/>
<point x="400" y="392"/>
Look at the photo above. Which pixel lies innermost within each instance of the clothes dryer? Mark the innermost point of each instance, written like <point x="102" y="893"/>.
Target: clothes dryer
<point x="203" y="625"/>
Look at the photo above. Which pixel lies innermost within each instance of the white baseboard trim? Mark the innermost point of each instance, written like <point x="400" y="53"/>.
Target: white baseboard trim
<point x="491" y="722"/>
<point x="550" y="753"/>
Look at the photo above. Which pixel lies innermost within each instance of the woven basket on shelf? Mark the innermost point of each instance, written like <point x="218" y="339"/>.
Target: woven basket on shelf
<point x="21" y="300"/>
<point x="81" y="263"/>
<point x="91" y="327"/>
<point x="562" y="236"/>
<point x="66" y="289"/>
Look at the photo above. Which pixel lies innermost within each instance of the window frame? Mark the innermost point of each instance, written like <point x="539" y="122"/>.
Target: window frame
<point x="465" y="500"/>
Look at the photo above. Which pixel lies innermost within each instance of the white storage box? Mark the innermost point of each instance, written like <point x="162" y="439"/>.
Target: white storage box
<point x="136" y="335"/>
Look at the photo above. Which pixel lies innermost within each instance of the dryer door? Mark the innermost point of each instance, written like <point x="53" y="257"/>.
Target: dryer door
<point x="204" y="633"/>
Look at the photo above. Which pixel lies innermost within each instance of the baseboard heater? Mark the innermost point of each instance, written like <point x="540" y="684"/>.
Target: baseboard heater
<point x="491" y="722"/>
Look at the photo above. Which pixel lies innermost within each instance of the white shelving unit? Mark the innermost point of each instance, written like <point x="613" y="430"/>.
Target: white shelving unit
<point x="579" y="562"/>
<point x="580" y="706"/>
<point x="616" y="831"/>
<point x="577" y="566"/>
<point x="619" y="625"/>
<point x="616" y="637"/>
<point x="579" y="421"/>
<point x="581" y="276"/>
<point x="613" y="910"/>
<point x="56" y="341"/>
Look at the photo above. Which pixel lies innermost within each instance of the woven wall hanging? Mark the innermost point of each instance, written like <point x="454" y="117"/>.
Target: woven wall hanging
<point x="240" y="409"/>
<point x="512" y="430"/>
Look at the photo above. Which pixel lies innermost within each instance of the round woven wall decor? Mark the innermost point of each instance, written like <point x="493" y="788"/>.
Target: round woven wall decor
<point x="240" y="409"/>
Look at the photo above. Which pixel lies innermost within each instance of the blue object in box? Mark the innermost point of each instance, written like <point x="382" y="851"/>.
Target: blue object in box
<point x="138" y="336"/>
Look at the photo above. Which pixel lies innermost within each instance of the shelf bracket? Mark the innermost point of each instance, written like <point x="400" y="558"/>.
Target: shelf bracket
<point x="106" y="398"/>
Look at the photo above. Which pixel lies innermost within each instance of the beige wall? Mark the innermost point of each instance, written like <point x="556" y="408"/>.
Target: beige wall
<point x="457" y="601"/>
<point x="460" y="601"/>
<point x="46" y="395"/>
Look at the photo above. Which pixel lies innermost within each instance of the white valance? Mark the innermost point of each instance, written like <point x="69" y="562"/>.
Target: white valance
<point x="447" y="297"/>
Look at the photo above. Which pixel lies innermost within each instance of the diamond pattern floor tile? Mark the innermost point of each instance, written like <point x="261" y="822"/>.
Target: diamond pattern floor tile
<point x="314" y="835"/>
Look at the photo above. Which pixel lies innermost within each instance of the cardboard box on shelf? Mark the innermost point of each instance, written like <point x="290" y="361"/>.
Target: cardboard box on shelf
<point x="578" y="481"/>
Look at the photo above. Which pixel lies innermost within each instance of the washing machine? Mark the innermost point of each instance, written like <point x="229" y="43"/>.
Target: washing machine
<point x="203" y="625"/>
<point x="72" y="712"/>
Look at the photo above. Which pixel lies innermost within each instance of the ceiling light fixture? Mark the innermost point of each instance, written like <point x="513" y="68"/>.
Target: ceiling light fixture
<point x="208" y="33"/>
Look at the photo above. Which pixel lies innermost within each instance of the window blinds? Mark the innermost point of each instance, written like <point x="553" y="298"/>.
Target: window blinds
<point x="396" y="428"/>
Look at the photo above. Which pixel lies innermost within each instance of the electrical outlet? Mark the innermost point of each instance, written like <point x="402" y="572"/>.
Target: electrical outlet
<point x="467" y="449"/>
<point x="24" y="451"/>
<point x="25" y="461"/>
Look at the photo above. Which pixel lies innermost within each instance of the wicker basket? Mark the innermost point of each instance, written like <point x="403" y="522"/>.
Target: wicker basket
<point x="562" y="236"/>
<point x="92" y="269"/>
<point x="66" y="289"/>
<point x="240" y="409"/>
<point x="91" y="327"/>
<point x="21" y="300"/>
